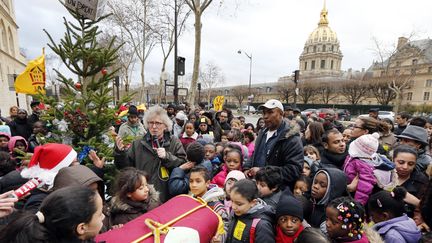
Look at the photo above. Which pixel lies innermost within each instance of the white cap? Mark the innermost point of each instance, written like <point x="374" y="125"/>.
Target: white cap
<point x="181" y="116"/>
<point x="182" y="234"/>
<point x="271" y="104"/>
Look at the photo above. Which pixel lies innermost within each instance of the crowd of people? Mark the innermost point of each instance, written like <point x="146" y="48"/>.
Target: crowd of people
<point x="287" y="178"/>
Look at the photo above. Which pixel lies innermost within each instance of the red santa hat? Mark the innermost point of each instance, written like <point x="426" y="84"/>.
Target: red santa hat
<point x="47" y="160"/>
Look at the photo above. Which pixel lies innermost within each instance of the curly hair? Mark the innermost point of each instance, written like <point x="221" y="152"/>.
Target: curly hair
<point x="157" y="111"/>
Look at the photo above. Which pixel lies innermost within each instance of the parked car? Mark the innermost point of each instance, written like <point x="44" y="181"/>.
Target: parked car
<point x="383" y="114"/>
<point x="307" y="112"/>
<point x="244" y="109"/>
<point x="343" y="114"/>
<point x="322" y="112"/>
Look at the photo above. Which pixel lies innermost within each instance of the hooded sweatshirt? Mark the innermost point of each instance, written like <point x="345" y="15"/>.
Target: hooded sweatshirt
<point x="336" y="187"/>
<point x="240" y="226"/>
<point x="398" y="230"/>
<point x="13" y="140"/>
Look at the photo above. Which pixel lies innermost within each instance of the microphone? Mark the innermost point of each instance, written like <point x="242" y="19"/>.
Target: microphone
<point x="155" y="141"/>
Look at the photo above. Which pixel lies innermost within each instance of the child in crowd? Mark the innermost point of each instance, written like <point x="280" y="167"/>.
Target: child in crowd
<point x="347" y="134"/>
<point x="308" y="165"/>
<point x="326" y="186"/>
<point x="224" y="137"/>
<point x="289" y="217"/>
<point x="312" y="152"/>
<point x="387" y="210"/>
<point x="188" y="134"/>
<point x="133" y="196"/>
<point x="312" y="235"/>
<point x="345" y="221"/>
<point x="252" y="219"/>
<point x="71" y="214"/>
<point x="232" y="177"/>
<point x="7" y="164"/>
<point x="234" y="135"/>
<point x="210" y="155"/>
<point x="4" y="140"/>
<point x="269" y="183"/>
<point x="199" y="186"/>
<point x="179" y="179"/>
<point x="233" y="161"/>
<point x="363" y="162"/>
<point x="236" y="124"/>
<point x="17" y="142"/>
<point x="248" y="141"/>
<point x="302" y="185"/>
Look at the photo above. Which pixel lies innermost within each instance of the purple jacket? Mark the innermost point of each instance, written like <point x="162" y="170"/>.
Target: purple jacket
<point x="399" y="230"/>
<point x="367" y="180"/>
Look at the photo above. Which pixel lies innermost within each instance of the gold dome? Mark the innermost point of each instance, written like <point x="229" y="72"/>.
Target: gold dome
<point x="323" y="33"/>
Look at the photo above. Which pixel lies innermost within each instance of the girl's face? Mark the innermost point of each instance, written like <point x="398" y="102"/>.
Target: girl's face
<point x="300" y="187"/>
<point x="189" y="129"/>
<point x="93" y="227"/>
<point x="3" y="142"/>
<point x="240" y="204"/>
<point x="319" y="186"/>
<point x="334" y="225"/>
<point x="312" y="155"/>
<point x="233" y="161"/>
<point x="261" y="123"/>
<point x="429" y="129"/>
<point x="197" y="184"/>
<point x="289" y="224"/>
<point x="405" y="164"/>
<point x="347" y="135"/>
<point x="13" y="111"/>
<point x="209" y="152"/>
<point x="250" y="129"/>
<point x="20" y="145"/>
<point x="246" y="140"/>
<point x="235" y="125"/>
<point x="228" y="185"/>
<point x="203" y="127"/>
<point x="306" y="169"/>
<point x="192" y="119"/>
<point x="141" y="193"/>
<point x="224" y="138"/>
<point x="358" y="129"/>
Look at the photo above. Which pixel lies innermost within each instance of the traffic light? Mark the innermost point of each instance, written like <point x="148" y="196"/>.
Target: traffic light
<point x="296" y="76"/>
<point x="199" y="86"/>
<point x="181" y="66"/>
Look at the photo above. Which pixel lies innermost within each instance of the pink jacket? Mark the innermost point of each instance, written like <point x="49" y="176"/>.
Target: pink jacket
<point x="219" y="178"/>
<point x="251" y="148"/>
<point x="367" y="181"/>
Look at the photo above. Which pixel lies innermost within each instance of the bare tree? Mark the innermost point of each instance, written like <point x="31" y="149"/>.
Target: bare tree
<point x="210" y="78"/>
<point x="198" y="7"/>
<point x="134" y="18"/>
<point x="307" y="91"/>
<point x="354" y="90"/>
<point x="381" y="91"/>
<point x="285" y="90"/>
<point x="165" y="33"/>
<point x="240" y="93"/>
<point x="327" y="92"/>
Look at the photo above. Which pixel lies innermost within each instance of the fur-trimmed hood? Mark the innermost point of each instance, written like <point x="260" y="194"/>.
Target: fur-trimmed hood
<point x="292" y="128"/>
<point x="117" y="205"/>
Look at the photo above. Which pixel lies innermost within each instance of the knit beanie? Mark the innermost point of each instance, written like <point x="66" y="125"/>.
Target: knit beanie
<point x="133" y="110"/>
<point x="195" y="152"/>
<point x="364" y="146"/>
<point x="236" y="175"/>
<point x="289" y="205"/>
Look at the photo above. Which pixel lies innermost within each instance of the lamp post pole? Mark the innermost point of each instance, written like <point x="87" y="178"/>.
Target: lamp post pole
<point x="250" y="78"/>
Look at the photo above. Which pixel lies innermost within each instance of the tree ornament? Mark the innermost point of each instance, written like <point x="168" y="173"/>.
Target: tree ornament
<point x="104" y="71"/>
<point x="78" y="85"/>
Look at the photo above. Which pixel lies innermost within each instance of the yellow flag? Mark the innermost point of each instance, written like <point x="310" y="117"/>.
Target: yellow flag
<point x="218" y="103"/>
<point x="32" y="80"/>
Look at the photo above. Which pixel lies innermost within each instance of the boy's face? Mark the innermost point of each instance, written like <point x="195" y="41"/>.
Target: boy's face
<point x="333" y="224"/>
<point x="228" y="185"/>
<point x="263" y="189"/>
<point x="4" y="141"/>
<point x="197" y="184"/>
<point x="240" y="204"/>
<point x="209" y="152"/>
<point x="20" y="145"/>
<point x="306" y="169"/>
<point x="311" y="155"/>
<point x="289" y="224"/>
<point x="319" y="186"/>
<point x="300" y="187"/>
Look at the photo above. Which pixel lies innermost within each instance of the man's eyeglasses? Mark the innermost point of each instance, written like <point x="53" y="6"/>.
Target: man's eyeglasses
<point x="153" y="123"/>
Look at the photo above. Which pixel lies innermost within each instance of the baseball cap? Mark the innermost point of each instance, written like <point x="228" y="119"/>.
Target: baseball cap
<point x="271" y="104"/>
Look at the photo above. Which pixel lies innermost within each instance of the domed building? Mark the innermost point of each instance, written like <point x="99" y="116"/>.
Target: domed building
<point x="321" y="56"/>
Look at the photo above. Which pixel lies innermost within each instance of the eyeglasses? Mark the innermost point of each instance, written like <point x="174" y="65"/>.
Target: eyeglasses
<point x="153" y="123"/>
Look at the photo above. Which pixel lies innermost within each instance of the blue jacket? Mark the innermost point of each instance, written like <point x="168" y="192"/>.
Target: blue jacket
<point x="179" y="181"/>
<point x="398" y="230"/>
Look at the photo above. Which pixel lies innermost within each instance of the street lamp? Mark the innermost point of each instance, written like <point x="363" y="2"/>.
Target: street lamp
<point x="250" y="77"/>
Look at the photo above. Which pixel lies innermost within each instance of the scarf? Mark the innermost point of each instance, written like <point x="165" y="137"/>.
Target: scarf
<point x="282" y="238"/>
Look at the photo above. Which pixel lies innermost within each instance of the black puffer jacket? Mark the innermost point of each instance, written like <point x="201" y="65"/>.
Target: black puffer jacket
<point x="287" y="152"/>
<point x="240" y="226"/>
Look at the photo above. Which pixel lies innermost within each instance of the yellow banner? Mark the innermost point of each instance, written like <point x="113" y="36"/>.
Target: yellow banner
<point x="218" y="103"/>
<point x="32" y="80"/>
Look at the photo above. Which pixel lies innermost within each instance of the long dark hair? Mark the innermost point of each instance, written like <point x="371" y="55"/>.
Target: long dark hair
<point x="127" y="181"/>
<point x="316" y="130"/>
<point x="63" y="210"/>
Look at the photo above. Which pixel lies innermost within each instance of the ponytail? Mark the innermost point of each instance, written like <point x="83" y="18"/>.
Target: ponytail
<point x="25" y="227"/>
<point x="391" y="202"/>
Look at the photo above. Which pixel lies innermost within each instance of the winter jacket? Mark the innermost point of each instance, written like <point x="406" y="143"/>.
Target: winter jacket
<point x="20" y="127"/>
<point x="336" y="188"/>
<point x="49" y="137"/>
<point x="219" y="178"/>
<point x="13" y="140"/>
<point x="367" y="180"/>
<point x="215" y="197"/>
<point x="179" y="181"/>
<point x="423" y="160"/>
<point x="398" y="230"/>
<point x="387" y="141"/>
<point x="142" y="156"/>
<point x="251" y="149"/>
<point x="135" y="130"/>
<point x="240" y="226"/>
<point x="122" y="212"/>
<point x="416" y="184"/>
<point x="185" y="140"/>
<point x="329" y="158"/>
<point x="11" y="181"/>
<point x="286" y="153"/>
<point x="273" y="199"/>
<point x="282" y="238"/>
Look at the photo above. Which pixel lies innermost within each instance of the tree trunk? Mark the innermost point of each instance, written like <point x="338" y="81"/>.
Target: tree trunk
<point x="398" y="102"/>
<point x="195" y="74"/>
<point x="142" y="91"/>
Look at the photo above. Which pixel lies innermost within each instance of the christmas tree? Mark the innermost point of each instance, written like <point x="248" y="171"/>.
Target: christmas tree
<point x="85" y="113"/>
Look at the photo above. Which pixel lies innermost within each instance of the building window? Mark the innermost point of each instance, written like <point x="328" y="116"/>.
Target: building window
<point x="414" y="62"/>
<point x="429" y="83"/>
<point x="305" y="66"/>
<point x="324" y="48"/>
<point x="313" y="65"/>
<point x="268" y="89"/>
<point x="409" y="96"/>
<point x="314" y="49"/>
<point x="430" y="70"/>
<point x="332" y="48"/>
<point x="226" y="92"/>
<point x="398" y="64"/>
<point x="322" y="64"/>
<point x="426" y="95"/>
<point x="331" y="64"/>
